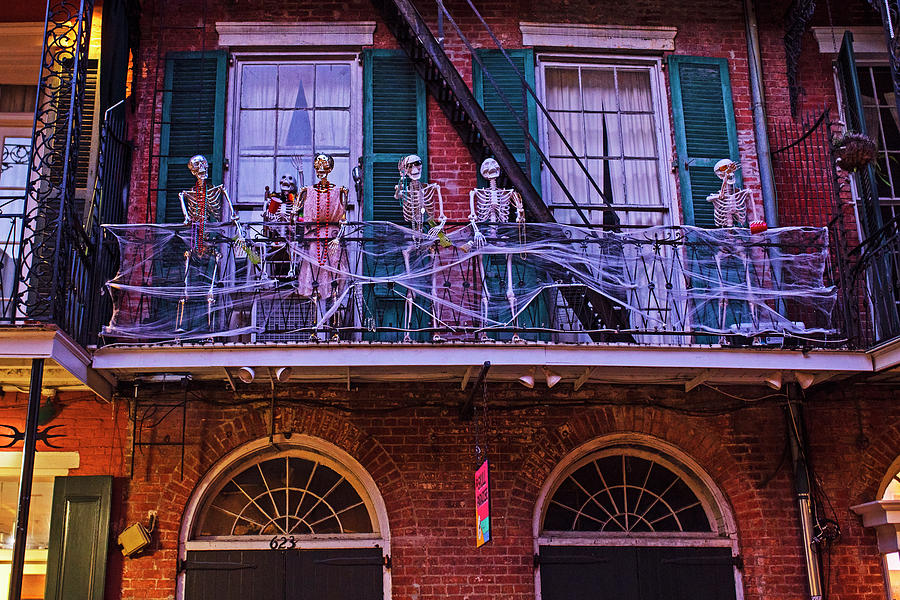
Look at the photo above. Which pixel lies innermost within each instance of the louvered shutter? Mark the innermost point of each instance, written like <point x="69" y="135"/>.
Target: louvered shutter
<point x="79" y="538"/>
<point x="705" y="130"/>
<point x="395" y="125"/>
<point x="495" y="108"/>
<point x="193" y="122"/>
<point x="867" y="204"/>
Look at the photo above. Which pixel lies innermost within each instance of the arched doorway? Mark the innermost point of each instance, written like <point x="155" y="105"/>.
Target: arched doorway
<point x="633" y="518"/>
<point x="292" y="519"/>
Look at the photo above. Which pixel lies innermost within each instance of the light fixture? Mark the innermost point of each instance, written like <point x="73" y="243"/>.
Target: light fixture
<point x="804" y="379"/>
<point x="552" y="377"/>
<point x="528" y="378"/>
<point x="246" y="374"/>
<point x="773" y="380"/>
<point x="282" y="374"/>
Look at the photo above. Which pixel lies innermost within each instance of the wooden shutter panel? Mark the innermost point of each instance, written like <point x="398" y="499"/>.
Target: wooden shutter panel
<point x="79" y="538"/>
<point x="193" y="122"/>
<point x="503" y="120"/>
<point x="705" y="130"/>
<point x="395" y="126"/>
<point x="851" y="103"/>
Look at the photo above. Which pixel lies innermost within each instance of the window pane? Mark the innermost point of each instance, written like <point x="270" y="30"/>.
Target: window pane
<point x="257" y="131"/>
<point x="563" y="91"/>
<point x="602" y="135"/>
<point x="570" y="124"/>
<point x="295" y="86"/>
<point x="295" y="131"/>
<point x="258" y="86"/>
<point x="332" y="131"/>
<point x="15" y="162"/>
<point x="333" y="85"/>
<point x="599" y="89"/>
<point x="639" y="135"/>
<point x="634" y="91"/>
<point x="254" y="174"/>
<point x="642" y="181"/>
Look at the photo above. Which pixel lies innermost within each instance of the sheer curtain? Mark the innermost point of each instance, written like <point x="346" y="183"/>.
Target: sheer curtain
<point x="606" y="114"/>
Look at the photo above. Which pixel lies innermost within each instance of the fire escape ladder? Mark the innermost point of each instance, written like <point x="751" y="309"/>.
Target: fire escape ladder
<point x="442" y="80"/>
<point x="456" y="100"/>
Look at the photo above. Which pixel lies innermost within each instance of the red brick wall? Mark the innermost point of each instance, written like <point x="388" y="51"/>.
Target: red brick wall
<point x="422" y="462"/>
<point x="701" y="30"/>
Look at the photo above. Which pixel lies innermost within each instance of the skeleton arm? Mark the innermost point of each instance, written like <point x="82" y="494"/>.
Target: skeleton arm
<point x="520" y="208"/>
<point x="478" y="238"/>
<point x="344" y="195"/>
<point x="184" y="210"/>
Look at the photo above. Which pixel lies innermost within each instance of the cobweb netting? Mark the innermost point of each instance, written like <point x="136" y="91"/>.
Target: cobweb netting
<point x="384" y="282"/>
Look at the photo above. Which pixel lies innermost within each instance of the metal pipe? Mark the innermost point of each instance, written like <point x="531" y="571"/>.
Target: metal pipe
<point x="757" y="95"/>
<point x="27" y="474"/>
<point x="797" y="441"/>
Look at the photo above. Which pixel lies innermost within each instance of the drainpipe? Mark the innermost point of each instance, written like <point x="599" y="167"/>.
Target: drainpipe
<point x="802" y="483"/>
<point x="763" y="152"/>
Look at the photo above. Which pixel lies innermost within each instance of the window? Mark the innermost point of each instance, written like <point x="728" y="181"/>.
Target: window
<point x="609" y="113"/>
<point x="285" y="113"/>
<point x="883" y="125"/>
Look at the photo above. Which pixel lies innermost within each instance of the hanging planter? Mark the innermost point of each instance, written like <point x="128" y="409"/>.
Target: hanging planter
<point x="854" y="151"/>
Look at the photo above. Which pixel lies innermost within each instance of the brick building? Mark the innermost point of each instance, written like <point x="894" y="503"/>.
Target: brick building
<point x="668" y="408"/>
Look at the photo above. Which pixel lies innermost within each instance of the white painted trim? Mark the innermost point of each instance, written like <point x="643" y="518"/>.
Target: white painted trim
<point x="48" y="342"/>
<point x="139" y="359"/>
<point x="264" y="34"/>
<point x="866" y="40"/>
<point x="674" y="455"/>
<point x="894" y="469"/>
<point x="598" y="37"/>
<point x="46" y="464"/>
<point x="282" y="443"/>
<point x="884" y="517"/>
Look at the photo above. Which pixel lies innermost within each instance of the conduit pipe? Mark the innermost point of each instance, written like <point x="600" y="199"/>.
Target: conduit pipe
<point x="758" y="103"/>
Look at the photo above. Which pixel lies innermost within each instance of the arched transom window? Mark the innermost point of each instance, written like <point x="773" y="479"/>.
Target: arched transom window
<point x="628" y="491"/>
<point x="294" y="494"/>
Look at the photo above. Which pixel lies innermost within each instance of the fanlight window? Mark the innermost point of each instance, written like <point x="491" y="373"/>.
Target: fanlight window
<point x="288" y="495"/>
<point x="625" y="493"/>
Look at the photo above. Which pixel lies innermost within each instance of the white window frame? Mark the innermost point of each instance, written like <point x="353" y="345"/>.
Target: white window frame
<point x="330" y="455"/>
<point x="232" y="154"/>
<point x="714" y="501"/>
<point x="667" y="189"/>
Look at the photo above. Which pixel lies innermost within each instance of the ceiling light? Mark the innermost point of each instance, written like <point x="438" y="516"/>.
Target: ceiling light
<point x="773" y="380"/>
<point x="804" y="379"/>
<point x="528" y="379"/>
<point x="246" y="374"/>
<point x="552" y="377"/>
<point x="283" y="374"/>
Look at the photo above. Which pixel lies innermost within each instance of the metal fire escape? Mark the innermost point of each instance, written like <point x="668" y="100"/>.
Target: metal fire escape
<point x="458" y="103"/>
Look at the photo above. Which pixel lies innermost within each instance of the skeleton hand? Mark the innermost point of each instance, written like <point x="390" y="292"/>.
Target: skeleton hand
<point x="335" y="243"/>
<point x="435" y="231"/>
<point x="478" y="239"/>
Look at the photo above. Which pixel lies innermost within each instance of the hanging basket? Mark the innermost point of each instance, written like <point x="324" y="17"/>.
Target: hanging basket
<point x="853" y="151"/>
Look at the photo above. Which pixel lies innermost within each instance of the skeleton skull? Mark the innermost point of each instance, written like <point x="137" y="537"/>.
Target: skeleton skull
<point x="323" y="164"/>
<point x="199" y="166"/>
<point x="411" y="166"/>
<point x="726" y="168"/>
<point x="288" y="184"/>
<point x="490" y="169"/>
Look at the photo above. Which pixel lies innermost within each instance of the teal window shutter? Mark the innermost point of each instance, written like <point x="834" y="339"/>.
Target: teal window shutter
<point x="79" y="538"/>
<point x="705" y="130"/>
<point x="395" y="126"/>
<point x="867" y="204"/>
<point x="503" y="120"/>
<point x="193" y="122"/>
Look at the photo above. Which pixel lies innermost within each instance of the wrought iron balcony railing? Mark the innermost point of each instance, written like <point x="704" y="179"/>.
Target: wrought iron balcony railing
<point x="376" y="281"/>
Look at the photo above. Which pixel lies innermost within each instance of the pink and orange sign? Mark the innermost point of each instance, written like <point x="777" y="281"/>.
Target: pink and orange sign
<point x="482" y="505"/>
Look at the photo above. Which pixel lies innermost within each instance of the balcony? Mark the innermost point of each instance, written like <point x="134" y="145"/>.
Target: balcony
<point x="377" y="282"/>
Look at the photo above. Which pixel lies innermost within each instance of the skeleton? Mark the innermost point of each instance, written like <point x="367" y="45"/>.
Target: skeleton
<point x="281" y="209"/>
<point x="730" y="203"/>
<point x="324" y="204"/>
<point x="730" y="210"/>
<point x="417" y="201"/>
<point x="492" y="205"/>
<point x="200" y="205"/>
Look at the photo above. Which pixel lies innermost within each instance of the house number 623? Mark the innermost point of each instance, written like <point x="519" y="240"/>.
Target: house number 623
<point x="282" y="543"/>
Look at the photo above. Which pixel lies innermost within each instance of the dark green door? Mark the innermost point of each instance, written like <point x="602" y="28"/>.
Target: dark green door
<point x="335" y="574"/>
<point x="636" y="573"/>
